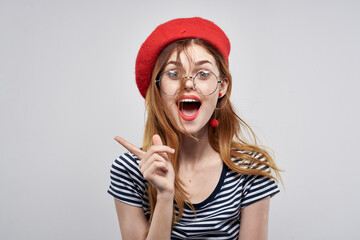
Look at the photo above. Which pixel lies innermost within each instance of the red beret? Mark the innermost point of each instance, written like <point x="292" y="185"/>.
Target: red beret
<point x="169" y="32"/>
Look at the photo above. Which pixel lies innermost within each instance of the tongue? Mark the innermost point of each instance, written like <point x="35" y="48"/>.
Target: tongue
<point x="189" y="109"/>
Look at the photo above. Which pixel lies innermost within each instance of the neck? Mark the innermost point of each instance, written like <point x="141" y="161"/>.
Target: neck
<point x="195" y="152"/>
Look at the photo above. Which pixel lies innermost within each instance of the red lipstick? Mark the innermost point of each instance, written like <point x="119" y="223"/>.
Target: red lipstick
<point x="188" y="113"/>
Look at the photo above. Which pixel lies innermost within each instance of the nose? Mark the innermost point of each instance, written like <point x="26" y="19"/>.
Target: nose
<point x="188" y="83"/>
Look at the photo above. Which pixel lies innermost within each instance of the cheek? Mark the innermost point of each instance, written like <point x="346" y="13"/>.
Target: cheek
<point x="213" y="102"/>
<point x="168" y="101"/>
<point x="210" y="105"/>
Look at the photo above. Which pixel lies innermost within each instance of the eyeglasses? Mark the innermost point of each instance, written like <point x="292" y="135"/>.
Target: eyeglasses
<point x="204" y="82"/>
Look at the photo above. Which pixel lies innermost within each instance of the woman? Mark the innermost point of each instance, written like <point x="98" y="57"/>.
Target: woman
<point x="196" y="177"/>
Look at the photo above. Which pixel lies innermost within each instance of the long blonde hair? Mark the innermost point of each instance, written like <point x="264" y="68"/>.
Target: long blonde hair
<point x="228" y="138"/>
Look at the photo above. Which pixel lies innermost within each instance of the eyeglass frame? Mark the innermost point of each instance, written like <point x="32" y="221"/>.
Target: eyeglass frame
<point x="157" y="82"/>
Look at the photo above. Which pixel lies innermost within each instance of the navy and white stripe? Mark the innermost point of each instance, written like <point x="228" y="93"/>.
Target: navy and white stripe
<point x="217" y="217"/>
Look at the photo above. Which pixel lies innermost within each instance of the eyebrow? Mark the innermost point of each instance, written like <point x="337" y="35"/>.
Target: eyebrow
<point x="202" y="62"/>
<point x="173" y="62"/>
<point x="198" y="63"/>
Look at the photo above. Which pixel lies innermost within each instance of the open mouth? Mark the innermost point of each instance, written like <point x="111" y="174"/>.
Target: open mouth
<point x="189" y="107"/>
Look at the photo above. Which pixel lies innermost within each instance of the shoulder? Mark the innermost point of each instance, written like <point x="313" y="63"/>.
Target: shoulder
<point x="250" y="160"/>
<point x="127" y="161"/>
<point x="254" y="185"/>
<point x="127" y="167"/>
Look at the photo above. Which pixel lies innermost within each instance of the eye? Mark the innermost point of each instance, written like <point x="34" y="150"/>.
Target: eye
<point x="172" y="74"/>
<point x="203" y="74"/>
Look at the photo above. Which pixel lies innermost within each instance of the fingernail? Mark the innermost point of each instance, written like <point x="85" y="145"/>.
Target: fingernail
<point x="173" y="150"/>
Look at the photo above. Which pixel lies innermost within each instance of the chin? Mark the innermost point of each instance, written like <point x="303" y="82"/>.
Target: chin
<point x="195" y="129"/>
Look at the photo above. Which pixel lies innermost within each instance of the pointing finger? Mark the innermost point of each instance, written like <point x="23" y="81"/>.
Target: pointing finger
<point x="131" y="147"/>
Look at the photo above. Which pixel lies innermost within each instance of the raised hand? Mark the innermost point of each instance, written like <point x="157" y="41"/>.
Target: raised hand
<point x="154" y="165"/>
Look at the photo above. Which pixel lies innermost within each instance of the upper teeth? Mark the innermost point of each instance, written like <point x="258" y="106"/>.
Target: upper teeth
<point x="188" y="100"/>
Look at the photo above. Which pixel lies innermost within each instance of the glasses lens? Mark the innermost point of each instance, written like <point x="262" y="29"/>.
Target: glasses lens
<point x="205" y="82"/>
<point x="170" y="82"/>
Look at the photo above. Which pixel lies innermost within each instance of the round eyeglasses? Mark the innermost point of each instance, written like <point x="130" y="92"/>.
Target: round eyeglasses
<point x="204" y="82"/>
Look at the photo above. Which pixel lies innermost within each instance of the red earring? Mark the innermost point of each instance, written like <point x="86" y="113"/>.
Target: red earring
<point x="214" y="122"/>
<point x="220" y="94"/>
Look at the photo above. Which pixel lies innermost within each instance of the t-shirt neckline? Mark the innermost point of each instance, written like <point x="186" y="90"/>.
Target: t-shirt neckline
<point x="197" y="206"/>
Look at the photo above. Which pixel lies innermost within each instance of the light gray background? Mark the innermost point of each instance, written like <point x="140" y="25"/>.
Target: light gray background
<point x="67" y="88"/>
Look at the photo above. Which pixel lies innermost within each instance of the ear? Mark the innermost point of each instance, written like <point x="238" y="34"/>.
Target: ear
<point x="223" y="86"/>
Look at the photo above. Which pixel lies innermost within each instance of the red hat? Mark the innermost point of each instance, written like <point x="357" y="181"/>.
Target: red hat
<point x="169" y="32"/>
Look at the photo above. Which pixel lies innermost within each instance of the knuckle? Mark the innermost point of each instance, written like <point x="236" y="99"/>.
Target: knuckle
<point x="152" y="149"/>
<point x="145" y="174"/>
<point x="157" y="164"/>
<point x="148" y="176"/>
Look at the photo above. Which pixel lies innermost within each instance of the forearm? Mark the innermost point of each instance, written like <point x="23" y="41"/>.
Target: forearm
<point x="160" y="227"/>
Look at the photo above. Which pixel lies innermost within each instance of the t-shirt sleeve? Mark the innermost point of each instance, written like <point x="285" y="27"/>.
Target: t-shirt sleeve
<point x="257" y="188"/>
<point x="127" y="183"/>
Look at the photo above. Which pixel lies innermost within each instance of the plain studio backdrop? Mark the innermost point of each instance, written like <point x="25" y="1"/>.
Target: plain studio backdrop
<point x="67" y="88"/>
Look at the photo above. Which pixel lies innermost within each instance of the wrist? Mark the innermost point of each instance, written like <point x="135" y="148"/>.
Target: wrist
<point x="165" y="196"/>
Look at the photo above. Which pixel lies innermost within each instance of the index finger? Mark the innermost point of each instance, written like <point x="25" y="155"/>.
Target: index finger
<point x="131" y="147"/>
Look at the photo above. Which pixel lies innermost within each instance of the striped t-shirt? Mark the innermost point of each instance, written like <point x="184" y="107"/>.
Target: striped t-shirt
<point x="217" y="217"/>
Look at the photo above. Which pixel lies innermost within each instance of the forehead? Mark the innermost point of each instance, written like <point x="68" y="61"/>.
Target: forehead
<point x="192" y="54"/>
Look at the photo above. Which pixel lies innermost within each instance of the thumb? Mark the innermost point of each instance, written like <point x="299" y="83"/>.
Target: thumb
<point x="157" y="140"/>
